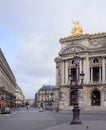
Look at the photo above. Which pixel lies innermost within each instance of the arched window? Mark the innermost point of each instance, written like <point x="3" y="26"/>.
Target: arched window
<point x="95" y="98"/>
<point x="72" y="61"/>
<point x="96" y="70"/>
<point x="95" y="60"/>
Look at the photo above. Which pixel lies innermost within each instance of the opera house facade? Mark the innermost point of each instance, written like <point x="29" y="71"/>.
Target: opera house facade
<point x="92" y="51"/>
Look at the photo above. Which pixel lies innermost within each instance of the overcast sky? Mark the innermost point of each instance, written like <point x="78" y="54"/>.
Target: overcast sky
<point x="30" y="31"/>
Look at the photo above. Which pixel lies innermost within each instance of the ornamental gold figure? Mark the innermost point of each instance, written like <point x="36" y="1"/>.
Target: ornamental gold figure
<point x="77" y="29"/>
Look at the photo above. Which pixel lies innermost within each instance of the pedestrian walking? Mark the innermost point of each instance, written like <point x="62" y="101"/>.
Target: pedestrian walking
<point x="27" y="108"/>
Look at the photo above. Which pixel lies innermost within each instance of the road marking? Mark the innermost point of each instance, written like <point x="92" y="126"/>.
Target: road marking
<point x="28" y="111"/>
<point x="21" y="111"/>
<point x="5" y="114"/>
<point x="13" y="112"/>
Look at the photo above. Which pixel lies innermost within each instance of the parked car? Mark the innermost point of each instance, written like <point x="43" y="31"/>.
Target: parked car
<point x="5" y="110"/>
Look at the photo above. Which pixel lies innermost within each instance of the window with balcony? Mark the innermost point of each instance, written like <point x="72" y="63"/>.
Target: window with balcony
<point x="96" y="70"/>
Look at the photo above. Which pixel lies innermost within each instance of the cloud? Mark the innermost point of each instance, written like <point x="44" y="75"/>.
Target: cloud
<point x="35" y="64"/>
<point x="36" y="56"/>
<point x="30" y="31"/>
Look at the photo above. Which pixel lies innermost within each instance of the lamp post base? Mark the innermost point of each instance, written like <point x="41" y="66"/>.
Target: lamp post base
<point x="76" y="120"/>
<point x="57" y="109"/>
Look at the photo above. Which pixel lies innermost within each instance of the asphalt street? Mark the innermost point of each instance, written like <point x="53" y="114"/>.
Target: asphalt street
<point x="21" y="119"/>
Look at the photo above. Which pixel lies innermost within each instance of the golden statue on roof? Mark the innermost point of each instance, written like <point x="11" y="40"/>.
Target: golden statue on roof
<point x="77" y="29"/>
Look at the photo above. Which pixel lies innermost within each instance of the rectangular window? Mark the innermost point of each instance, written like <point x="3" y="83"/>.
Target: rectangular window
<point x="96" y="73"/>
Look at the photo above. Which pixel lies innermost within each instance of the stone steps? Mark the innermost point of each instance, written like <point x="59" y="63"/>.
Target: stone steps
<point x="93" y="108"/>
<point x="87" y="108"/>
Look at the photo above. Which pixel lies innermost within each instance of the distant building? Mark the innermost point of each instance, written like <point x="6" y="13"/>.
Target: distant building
<point x="20" y="98"/>
<point x="47" y="95"/>
<point x="30" y="102"/>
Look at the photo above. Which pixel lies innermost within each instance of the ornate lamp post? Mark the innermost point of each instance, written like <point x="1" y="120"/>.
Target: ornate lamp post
<point x="75" y="87"/>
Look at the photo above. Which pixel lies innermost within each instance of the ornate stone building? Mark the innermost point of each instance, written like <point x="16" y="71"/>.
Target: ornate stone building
<point x="47" y="95"/>
<point x="92" y="50"/>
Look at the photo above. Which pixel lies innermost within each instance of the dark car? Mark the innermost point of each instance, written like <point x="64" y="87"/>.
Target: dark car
<point x="5" y="110"/>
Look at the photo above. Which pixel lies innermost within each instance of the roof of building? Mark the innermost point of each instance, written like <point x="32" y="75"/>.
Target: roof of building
<point x="82" y="36"/>
<point x="77" y="33"/>
<point x="47" y="87"/>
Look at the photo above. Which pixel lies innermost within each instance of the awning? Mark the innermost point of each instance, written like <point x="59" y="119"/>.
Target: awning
<point x="1" y="102"/>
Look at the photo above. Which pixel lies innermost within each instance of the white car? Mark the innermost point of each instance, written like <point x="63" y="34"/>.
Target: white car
<point x="5" y="110"/>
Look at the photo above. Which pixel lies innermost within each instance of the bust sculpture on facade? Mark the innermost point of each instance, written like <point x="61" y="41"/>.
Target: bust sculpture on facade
<point x="77" y="29"/>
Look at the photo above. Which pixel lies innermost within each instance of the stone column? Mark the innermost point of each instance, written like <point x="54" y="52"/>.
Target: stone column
<point x="80" y="65"/>
<point x="57" y="77"/>
<point x="103" y="70"/>
<point x="91" y="74"/>
<point x="66" y="72"/>
<point x="58" y="74"/>
<point x="62" y="72"/>
<point x="86" y="70"/>
<point x="100" y="74"/>
<point x="80" y="69"/>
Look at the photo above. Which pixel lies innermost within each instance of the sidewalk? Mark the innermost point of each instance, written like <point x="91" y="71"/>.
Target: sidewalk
<point x="86" y="125"/>
<point x="82" y="111"/>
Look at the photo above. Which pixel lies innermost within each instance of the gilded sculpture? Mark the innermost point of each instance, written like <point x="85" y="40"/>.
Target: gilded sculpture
<point x="77" y="29"/>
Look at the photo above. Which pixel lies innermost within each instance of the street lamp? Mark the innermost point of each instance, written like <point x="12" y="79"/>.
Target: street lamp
<point x="75" y="87"/>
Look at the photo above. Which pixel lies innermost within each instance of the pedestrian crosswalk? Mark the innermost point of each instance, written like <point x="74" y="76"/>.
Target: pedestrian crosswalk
<point x="27" y="111"/>
<point x="22" y="110"/>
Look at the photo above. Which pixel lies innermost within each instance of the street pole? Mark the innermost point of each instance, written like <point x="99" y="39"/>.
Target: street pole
<point x="76" y="109"/>
<point x="76" y="86"/>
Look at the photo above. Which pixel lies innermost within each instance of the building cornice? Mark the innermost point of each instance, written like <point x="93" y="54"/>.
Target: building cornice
<point x="5" y="64"/>
<point x="82" y="36"/>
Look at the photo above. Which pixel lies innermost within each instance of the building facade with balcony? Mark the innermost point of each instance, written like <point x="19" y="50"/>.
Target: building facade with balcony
<point x="20" y="98"/>
<point x="92" y="50"/>
<point x="8" y="85"/>
<point x="47" y="95"/>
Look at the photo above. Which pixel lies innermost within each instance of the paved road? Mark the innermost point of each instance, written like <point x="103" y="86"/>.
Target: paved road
<point x="22" y="119"/>
<point x="27" y="120"/>
<point x="84" y="116"/>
